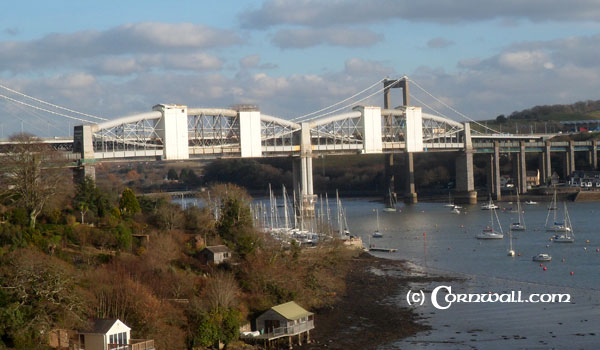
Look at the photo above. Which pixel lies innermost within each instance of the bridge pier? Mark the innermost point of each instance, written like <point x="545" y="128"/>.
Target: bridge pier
<point x="594" y="155"/>
<point x="497" y="175"/>
<point x="465" y="182"/>
<point x="410" y="194"/>
<point x="303" y="175"/>
<point x="547" y="162"/>
<point x="571" y="156"/>
<point x="522" y="168"/>
<point x="83" y="171"/>
<point x="390" y="196"/>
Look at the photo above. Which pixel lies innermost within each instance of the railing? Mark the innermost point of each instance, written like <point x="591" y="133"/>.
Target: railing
<point x="136" y="344"/>
<point x="295" y="329"/>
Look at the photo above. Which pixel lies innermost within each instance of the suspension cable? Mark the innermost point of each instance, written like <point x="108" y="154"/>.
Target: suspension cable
<point x="452" y="109"/>
<point x="337" y="103"/>
<point x="49" y="104"/>
<point x="43" y="109"/>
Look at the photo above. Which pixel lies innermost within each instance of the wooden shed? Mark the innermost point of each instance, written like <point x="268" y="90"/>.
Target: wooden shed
<point x="215" y="254"/>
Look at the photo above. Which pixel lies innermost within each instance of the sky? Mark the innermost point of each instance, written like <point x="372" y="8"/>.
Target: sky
<point x="113" y="58"/>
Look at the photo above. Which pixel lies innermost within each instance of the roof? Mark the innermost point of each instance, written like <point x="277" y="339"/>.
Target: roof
<point x="291" y="310"/>
<point x="102" y="326"/>
<point x="218" y="249"/>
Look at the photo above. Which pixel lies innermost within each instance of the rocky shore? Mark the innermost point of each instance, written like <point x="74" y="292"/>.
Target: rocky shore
<point x="372" y="312"/>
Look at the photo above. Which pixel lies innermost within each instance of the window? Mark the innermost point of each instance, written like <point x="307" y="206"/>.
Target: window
<point x="120" y="339"/>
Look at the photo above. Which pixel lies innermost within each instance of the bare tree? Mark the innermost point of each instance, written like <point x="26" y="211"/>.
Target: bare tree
<point x="221" y="291"/>
<point x="32" y="172"/>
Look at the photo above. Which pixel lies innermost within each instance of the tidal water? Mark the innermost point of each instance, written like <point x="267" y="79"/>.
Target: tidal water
<point x="439" y="242"/>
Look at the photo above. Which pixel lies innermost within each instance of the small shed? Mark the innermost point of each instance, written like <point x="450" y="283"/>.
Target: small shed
<point x="216" y="254"/>
<point x="288" y="318"/>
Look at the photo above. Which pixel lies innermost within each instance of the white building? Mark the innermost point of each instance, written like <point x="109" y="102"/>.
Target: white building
<point x="111" y="335"/>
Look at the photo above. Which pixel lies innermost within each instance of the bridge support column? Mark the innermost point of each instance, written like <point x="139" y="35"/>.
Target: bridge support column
<point x="302" y="174"/>
<point x="489" y="174"/>
<point x="465" y="182"/>
<point x="571" y="155"/>
<point x="594" y="154"/>
<point x="410" y="194"/>
<point x="389" y="196"/>
<point x="83" y="171"/>
<point x="497" y="176"/>
<point x="547" y="162"/>
<point x="522" y="168"/>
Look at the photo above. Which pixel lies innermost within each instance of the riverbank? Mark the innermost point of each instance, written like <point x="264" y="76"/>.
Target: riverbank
<point x="370" y="313"/>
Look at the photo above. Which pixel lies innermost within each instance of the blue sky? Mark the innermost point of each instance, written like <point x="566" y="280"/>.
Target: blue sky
<point x="291" y="57"/>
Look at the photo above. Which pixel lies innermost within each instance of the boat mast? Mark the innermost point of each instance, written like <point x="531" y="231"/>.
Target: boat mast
<point x="285" y="209"/>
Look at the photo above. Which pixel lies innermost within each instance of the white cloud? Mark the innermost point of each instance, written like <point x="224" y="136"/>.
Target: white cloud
<point x="307" y="37"/>
<point x="327" y="13"/>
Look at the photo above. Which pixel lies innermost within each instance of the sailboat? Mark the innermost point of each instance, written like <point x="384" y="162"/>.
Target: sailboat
<point x="520" y="224"/>
<point x="557" y="226"/>
<point x="392" y="202"/>
<point x="377" y="234"/>
<point x="566" y="236"/>
<point x="489" y="232"/>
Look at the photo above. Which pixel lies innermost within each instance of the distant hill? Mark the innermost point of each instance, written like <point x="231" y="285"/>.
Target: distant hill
<point x="576" y="111"/>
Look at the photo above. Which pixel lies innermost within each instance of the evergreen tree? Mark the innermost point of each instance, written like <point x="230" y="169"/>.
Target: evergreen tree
<point x="128" y="204"/>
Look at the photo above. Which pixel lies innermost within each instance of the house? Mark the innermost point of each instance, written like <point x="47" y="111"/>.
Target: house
<point x="111" y="335"/>
<point x="533" y="178"/>
<point x="286" y="319"/>
<point x="585" y="179"/>
<point x="216" y="254"/>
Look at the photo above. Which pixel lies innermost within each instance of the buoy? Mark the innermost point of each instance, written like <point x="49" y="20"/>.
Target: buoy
<point x="547" y="246"/>
<point x="597" y="249"/>
<point x="572" y="273"/>
<point x="584" y="248"/>
<point x="541" y="265"/>
<point x="587" y="241"/>
<point x="563" y="259"/>
<point x="519" y="254"/>
<point x="545" y="268"/>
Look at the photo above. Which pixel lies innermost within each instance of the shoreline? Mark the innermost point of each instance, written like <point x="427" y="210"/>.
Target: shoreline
<point x="369" y="315"/>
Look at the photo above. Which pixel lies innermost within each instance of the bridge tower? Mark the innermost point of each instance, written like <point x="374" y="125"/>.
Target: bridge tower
<point x="410" y="194"/>
<point x="83" y="144"/>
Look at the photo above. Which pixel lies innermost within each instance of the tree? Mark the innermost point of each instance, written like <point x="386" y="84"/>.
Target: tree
<point x="172" y="174"/>
<point x="32" y="174"/>
<point x="128" y="204"/>
<point x="89" y="197"/>
<point x="235" y="226"/>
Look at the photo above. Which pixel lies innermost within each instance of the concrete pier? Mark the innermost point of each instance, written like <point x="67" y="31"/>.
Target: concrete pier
<point x="497" y="175"/>
<point x="410" y="194"/>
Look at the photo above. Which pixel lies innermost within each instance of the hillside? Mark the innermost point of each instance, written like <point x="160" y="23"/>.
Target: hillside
<point x="543" y="119"/>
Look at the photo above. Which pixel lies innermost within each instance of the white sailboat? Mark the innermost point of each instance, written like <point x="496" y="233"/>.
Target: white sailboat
<point x="557" y="226"/>
<point x="392" y="202"/>
<point x="377" y="234"/>
<point x="519" y="225"/>
<point x="566" y="236"/>
<point x="489" y="232"/>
